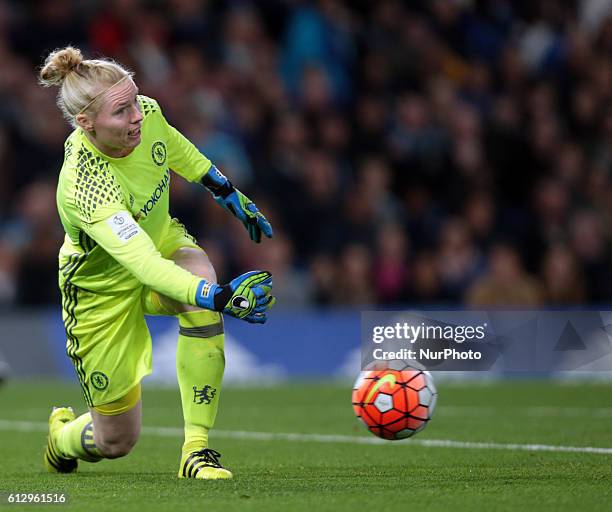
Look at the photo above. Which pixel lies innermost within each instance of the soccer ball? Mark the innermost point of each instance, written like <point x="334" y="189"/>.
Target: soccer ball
<point x="395" y="402"/>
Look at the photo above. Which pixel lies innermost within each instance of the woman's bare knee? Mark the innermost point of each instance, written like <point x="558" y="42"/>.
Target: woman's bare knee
<point x="197" y="262"/>
<point x="115" y="448"/>
<point x="115" y="436"/>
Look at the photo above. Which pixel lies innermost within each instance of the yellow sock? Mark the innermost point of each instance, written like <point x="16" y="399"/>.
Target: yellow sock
<point x="76" y="440"/>
<point x="200" y="362"/>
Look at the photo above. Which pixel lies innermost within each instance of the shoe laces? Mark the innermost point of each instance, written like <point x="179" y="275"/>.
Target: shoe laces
<point x="210" y="457"/>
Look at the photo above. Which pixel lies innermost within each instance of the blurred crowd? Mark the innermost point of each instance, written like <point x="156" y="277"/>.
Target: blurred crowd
<point x="434" y="151"/>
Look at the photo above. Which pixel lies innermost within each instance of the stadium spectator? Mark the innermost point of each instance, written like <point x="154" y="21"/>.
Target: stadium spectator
<point x="505" y="283"/>
<point x="494" y="121"/>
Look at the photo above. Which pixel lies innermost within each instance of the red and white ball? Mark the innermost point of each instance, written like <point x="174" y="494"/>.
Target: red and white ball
<point x="395" y="402"/>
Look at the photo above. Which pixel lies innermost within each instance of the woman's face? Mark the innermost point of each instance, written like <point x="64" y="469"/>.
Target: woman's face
<point x="115" y="129"/>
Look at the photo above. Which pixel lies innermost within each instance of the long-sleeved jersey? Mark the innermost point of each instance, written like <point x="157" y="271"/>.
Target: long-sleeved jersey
<point x="115" y="210"/>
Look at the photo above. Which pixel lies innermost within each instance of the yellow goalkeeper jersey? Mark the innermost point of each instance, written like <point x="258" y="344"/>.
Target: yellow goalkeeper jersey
<point x="115" y="210"/>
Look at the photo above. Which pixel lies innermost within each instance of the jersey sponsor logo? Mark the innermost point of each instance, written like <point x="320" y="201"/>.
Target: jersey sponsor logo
<point x="99" y="381"/>
<point x="158" y="153"/>
<point x="124" y="226"/>
<point x="204" y="395"/>
<point x="163" y="185"/>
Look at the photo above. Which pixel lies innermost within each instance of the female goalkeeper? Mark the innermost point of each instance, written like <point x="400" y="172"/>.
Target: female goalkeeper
<point x="123" y="257"/>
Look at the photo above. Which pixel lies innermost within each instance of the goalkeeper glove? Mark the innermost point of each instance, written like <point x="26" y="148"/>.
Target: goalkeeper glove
<point x="236" y="202"/>
<point x="246" y="297"/>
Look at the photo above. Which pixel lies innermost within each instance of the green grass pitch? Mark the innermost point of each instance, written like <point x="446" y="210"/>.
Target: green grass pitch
<point x="293" y="473"/>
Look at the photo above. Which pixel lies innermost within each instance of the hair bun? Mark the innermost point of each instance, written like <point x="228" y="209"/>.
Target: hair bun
<point x="58" y="64"/>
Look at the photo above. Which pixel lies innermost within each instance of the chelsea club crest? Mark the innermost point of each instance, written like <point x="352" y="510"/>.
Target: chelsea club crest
<point x="158" y="153"/>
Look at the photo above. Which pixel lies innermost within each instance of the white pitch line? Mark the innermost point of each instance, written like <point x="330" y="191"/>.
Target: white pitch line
<point x="536" y="411"/>
<point x="31" y="426"/>
<point x="474" y="410"/>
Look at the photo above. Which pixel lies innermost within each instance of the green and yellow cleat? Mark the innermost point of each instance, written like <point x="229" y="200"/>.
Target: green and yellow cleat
<point x="54" y="462"/>
<point x="203" y="464"/>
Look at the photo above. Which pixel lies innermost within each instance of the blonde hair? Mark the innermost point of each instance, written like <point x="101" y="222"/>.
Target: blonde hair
<point x="81" y="82"/>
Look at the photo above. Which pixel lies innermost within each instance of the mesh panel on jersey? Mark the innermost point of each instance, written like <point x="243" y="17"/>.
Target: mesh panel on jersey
<point x="147" y="105"/>
<point x="67" y="149"/>
<point x="95" y="184"/>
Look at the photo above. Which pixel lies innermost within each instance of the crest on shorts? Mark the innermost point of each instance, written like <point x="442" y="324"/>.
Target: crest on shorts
<point x="204" y="395"/>
<point x="158" y="153"/>
<point x="99" y="381"/>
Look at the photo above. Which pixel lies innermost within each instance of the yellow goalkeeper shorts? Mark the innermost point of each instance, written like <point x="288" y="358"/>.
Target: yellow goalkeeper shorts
<point x="124" y="404"/>
<point x="107" y="337"/>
